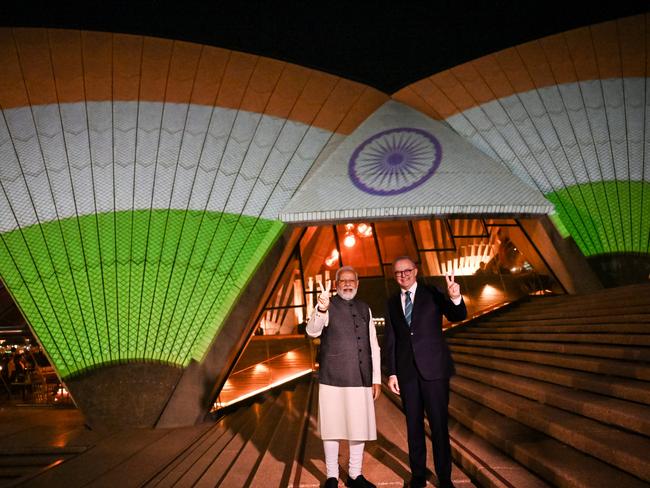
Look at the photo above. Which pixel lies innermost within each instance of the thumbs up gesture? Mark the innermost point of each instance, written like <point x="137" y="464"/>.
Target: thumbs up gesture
<point x="453" y="288"/>
<point x="324" y="296"/>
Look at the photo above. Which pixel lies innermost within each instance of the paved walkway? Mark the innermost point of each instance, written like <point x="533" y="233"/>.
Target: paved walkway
<point x="267" y="443"/>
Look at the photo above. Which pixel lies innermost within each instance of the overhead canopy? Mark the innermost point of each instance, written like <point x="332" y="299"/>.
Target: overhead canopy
<point x="400" y="162"/>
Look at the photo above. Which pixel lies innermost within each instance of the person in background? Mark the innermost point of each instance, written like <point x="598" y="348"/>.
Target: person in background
<point x="418" y="364"/>
<point x="349" y="377"/>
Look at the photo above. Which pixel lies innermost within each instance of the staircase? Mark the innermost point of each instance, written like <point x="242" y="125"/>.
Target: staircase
<point x="20" y="464"/>
<point x="557" y="388"/>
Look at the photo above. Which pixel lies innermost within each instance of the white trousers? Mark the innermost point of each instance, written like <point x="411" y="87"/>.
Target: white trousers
<point x="332" y="458"/>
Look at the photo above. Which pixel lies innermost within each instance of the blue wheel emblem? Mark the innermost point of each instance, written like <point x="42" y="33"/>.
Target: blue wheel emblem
<point x="395" y="161"/>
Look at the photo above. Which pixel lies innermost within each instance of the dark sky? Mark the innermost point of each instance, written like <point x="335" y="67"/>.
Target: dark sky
<point x="387" y="45"/>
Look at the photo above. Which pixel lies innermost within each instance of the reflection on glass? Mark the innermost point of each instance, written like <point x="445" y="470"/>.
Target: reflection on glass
<point x="395" y="240"/>
<point x="500" y="257"/>
<point x="433" y="234"/>
<point x="468" y="228"/>
<point x="284" y="310"/>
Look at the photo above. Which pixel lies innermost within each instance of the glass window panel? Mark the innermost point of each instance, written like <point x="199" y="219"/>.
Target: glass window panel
<point x="285" y="310"/>
<point x="395" y="240"/>
<point x="320" y="255"/>
<point x="358" y="249"/>
<point x="467" y="227"/>
<point x="432" y="234"/>
<point x="500" y="222"/>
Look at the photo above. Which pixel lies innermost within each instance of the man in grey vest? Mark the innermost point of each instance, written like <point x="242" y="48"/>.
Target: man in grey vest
<point x="349" y="377"/>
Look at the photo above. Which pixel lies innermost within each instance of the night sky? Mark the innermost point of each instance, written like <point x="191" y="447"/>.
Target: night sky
<point x="387" y="45"/>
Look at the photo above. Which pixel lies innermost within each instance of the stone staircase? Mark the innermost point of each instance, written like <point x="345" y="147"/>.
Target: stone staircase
<point x="20" y="464"/>
<point x="557" y="388"/>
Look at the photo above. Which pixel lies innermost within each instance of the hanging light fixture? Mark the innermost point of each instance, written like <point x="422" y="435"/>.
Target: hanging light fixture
<point x="364" y="230"/>
<point x="349" y="240"/>
<point x="332" y="259"/>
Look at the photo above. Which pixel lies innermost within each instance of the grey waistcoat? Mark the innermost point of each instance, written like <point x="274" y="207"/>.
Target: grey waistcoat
<point x="345" y="358"/>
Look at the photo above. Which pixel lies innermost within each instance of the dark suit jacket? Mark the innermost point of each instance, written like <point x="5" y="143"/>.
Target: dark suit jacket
<point x="421" y="345"/>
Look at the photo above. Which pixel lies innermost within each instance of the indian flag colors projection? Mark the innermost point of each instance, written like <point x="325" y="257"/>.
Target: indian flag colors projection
<point x="568" y="114"/>
<point x="141" y="181"/>
<point x="153" y="285"/>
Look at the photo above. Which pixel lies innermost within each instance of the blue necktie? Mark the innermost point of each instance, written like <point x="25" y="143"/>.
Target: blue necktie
<point x="408" y="307"/>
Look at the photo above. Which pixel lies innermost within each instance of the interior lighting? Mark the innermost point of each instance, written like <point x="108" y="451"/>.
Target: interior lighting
<point x="333" y="258"/>
<point x="364" y="230"/>
<point x="349" y="240"/>
<point x="261" y="368"/>
<point x="489" y="291"/>
<point x="284" y="379"/>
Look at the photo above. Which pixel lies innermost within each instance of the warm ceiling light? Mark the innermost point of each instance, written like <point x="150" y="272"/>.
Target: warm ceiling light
<point x="332" y="259"/>
<point x="349" y="240"/>
<point x="364" y="230"/>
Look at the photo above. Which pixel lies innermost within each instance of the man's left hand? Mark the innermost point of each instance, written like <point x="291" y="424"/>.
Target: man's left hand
<point x="453" y="288"/>
<point x="376" y="391"/>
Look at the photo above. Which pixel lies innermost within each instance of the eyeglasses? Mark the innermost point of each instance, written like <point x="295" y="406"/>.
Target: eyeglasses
<point x="405" y="273"/>
<point x="347" y="282"/>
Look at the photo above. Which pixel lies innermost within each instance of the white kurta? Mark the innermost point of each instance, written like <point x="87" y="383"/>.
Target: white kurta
<point x="347" y="412"/>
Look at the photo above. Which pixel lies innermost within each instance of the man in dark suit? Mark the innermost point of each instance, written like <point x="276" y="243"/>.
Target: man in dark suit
<point x="418" y="364"/>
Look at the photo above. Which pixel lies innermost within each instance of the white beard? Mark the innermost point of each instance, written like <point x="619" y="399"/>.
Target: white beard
<point x="347" y="295"/>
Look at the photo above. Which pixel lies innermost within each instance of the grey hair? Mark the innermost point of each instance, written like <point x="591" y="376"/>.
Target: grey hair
<point x="343" y="269"/>
<point x="404" y="258"/>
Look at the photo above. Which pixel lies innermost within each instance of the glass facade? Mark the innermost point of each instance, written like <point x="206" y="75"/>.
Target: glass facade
<point x="492" y="259"/>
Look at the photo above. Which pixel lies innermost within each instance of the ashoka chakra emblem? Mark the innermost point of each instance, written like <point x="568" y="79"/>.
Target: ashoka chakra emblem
<point x="395" y="161"/>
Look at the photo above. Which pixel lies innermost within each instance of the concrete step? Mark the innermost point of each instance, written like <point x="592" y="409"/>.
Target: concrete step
<point x="625" y="353"/>
<point x="202" y="452"/>
<point x="622" y="388"/>
<point x="626" y="451"/>
<point x="521" y="313"/>
<point x="242" y="471"/>
<point x="140" y="467"/>
<point x="628" y="295"/>
<point x="274" y="468"/>
<point x="534" y="319"/>
<point x="486" y="464"/>
<point x="11" y="474"/>
<point x="573" y="302"/>
<point x="215" y="468"/>
<point x="540" y="334"/>
<point x="641" y="329"/>
<point x="631" y="416"/>
<point x="560" y="465"/>
<point x="471" y="455"/>
<point x="639" y="371"/>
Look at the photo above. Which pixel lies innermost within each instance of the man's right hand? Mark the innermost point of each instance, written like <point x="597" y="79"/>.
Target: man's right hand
<point x="324" y="297"/>
<point x="393" y="385"/>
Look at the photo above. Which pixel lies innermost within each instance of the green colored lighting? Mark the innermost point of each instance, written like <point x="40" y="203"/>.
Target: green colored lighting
<point x="606" y="217"/>
<point x="130" y="286"/>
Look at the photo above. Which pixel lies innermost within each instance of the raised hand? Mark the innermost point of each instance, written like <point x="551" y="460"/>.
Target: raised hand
<point x="324" y="296"/>
<point x="453" y="288"/>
